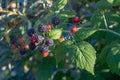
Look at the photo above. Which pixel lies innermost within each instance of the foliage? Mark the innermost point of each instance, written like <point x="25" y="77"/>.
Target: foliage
<point x="90" y="52"/>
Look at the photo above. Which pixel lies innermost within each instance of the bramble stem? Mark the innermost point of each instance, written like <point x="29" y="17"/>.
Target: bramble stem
<point x="108" y="30"/>
<point x="105" y="21"/>
<point x="111" y="31"/>
<point x="12" y="13"/>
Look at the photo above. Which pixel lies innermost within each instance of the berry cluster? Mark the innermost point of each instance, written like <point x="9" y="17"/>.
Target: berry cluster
<point x="40" y="40"/>
<point x="75" y="20"/>
<point x="36" y="41"/>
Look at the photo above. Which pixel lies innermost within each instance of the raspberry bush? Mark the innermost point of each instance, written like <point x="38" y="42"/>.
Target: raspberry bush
<point x="60" y="39"/>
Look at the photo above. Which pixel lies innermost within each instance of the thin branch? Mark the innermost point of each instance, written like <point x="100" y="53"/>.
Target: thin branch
<point x="111" y="31"/>
<point x="11" y="12"/>
<point x="21" y="14"/>
<point x="105" y="21"/>
<point x="107" y="27"/>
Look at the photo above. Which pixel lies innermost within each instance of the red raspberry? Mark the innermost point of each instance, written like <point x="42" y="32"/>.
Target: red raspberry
<point x="45" y="54"/>
<point x="73" y="29"/>
<point x="26" y="47"/>
<point x="76" y="19"/>
<point x="32" y="40"/>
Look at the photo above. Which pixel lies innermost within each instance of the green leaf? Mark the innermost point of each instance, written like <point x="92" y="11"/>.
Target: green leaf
<point x="84" y="33"/>
<point x="61" y="50"/>
<point x="55" y="33"/>
<point x="110" y="1"/>
<point x="37" y="23"/>
<point x="111" y="55"/>
<point x="112" y="18"/>
<point x="103" y="55"/>
<point x="81" y="55"/>
<point x="44" y="71"/>
<point x="114" y="2"/>
<point x="112" y="37"/>
<point x="97" y="19"/>
<point x="58" y="5"/>
<point x="7" y="38"/>
<point x="66" y="14"/>
<point x="47" y="18"/>
<point x="103" y="4"/>
<point x="58" y="75"/>
<point x="102" y="73"/>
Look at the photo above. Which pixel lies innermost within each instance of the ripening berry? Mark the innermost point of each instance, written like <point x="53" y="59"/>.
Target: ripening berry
<point x="38" y="38"/>
<point x="76" y="19"/>
<point x="8" y="24"/>
<point x="49" y="26"/>
<point x="26" y="47"/>
<point x="15" y="45"/>
<point x="55" y="21"/>
<point x="30" y="32"/>
<point x="45" y="54"/>
<point x="42" y="28"/>
<point x="22" y="51"/>
<point x="32" y="46"/>
<point x="49" y="42"/>
<point x="73" y="29"/>
<point x="61" y="39"/>
<point x="21" y="39"/>
<point x="32" y="40"/>
<point x="43" y="49"/>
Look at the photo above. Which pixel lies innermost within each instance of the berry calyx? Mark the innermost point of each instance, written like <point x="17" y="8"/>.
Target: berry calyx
<point x="32" y="46"/>
<point x="30" y="32"/>
<point x="73" y="29"/>
<point x="76" y="19"/>
<point x="15" y="45"/>
<point x="55" y="21"/>
<point x="42" y="28"/>
<point x="49" y="42"/>
<point x="43" y="49"/>
<point x="26" y="47"/>
<point x="8" y="24"/>
<point x="44" y="54"/>
<point x="49" y="26"/>
<point x="22" y="51"/>
<point x="21" y="39"/>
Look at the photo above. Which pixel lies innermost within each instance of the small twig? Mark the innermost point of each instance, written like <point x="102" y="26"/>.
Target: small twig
<point x="113" y="25"/>
<point x="105" y="21"/>
<point x="18" y="22"/>
<point x="21" y="14"/>
<point x="11" y="12"/>
<point x="107" y="27"/>
<point x="38" y="13"/>
<point x="111" y="31"/>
